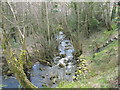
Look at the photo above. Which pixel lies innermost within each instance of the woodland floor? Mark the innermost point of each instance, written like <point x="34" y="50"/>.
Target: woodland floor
<point x="102" y="66"/>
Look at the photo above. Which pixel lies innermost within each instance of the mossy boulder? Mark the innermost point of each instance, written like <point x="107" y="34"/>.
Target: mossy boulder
<point x="40" y="69"/>
<point x="61" y="65"/>
<point x="43" y="76"/>
<point x="62" y="55"/>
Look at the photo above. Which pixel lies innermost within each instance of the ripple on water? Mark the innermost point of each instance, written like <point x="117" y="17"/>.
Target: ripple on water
<point x="10" y="82"/>
<point x="41" y="75"/>
<point x="63" y="67"/>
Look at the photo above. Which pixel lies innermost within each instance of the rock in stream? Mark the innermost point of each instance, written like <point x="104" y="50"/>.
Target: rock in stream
<point x="46" y="76"/>
<point x="63" y="69"/>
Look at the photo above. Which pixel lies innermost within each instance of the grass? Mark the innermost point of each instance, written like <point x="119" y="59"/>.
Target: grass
<point x="103" y="66"/>
<point x="1" y="86"/>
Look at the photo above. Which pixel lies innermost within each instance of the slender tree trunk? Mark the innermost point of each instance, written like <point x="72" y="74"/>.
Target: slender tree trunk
<point x="113" y="14"/>
<point x="76" y="13"/>
<point x="118" y="24"/>
<point x="78" y="18"/>
<point x="108" y="18"/>
<point x="48" y="27"/>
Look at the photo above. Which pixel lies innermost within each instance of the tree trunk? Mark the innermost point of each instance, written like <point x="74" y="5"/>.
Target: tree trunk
<point x="48" y="27"/>
<point x="17" y="69"/>
<point x="113" y="14"/>
<point x="15" y="65"/>
<point x="118" y="24"/>
<point x="108" y="18"/>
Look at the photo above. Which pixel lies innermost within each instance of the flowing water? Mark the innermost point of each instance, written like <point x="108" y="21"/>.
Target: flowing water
<point x="62" y="69"/>
<point x="10" y="82"/>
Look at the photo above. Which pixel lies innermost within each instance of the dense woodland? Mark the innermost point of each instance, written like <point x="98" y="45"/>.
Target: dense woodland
<point x="28" y="35"/>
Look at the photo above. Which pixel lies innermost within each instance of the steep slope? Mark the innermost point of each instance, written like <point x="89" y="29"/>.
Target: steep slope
<point x="102" y="64"/>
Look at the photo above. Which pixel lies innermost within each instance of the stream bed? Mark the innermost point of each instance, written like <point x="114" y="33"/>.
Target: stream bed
<point x="46" y="76"/>
<point x="63" y="68"/>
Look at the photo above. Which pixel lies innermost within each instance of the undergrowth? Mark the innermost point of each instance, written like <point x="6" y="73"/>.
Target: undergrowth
<point x="102" y="66"/>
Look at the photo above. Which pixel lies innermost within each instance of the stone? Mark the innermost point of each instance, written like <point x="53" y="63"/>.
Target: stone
<point x="68" y="45"/>
<point x="53" y="82"/>
<point x="67" y="42"/>
<point x="52" y="77"/>
<point x="9" y="73"/>
<point x="44" y="85"/>
<point x="103" y="45"/>
<point x="116" y="37"/>
<point x="78" y="61"/>
<point x="66" y="64"/>
<point x="75" y="74"/>
<point x="79" y="68"/>
<point x="111" y="40"/>
<point x="56" y="76"/>
<point x="67" y="48"/>
<point x="68" y="73"/>
<point x="62" y="55"/>
<point x="75" y="79"/>
<point x="40" y="69"/>
<point x="43" y="76"/>
<point x="61" y="65"/>
<point x="75" y="70"/>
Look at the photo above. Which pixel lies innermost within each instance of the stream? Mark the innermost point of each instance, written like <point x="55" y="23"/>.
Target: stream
<point x="63" y="68"/>
<point x="46" y="76"/>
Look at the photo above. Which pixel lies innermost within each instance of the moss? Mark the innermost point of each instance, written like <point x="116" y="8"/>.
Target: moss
<point x="16" y="66"/>
<point x="40" y="69"/>
<point x="98" y="81"/>
<point x="2" y="85"/>
<point x="61" y="65"/>
<point x="102" y="66"/>
<point x="68" y="73"/>
<point x="43" y="76"/>
<point x="59" y="28"/>
<point x="62" y="55"/>
<point x="44" y="85"/>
